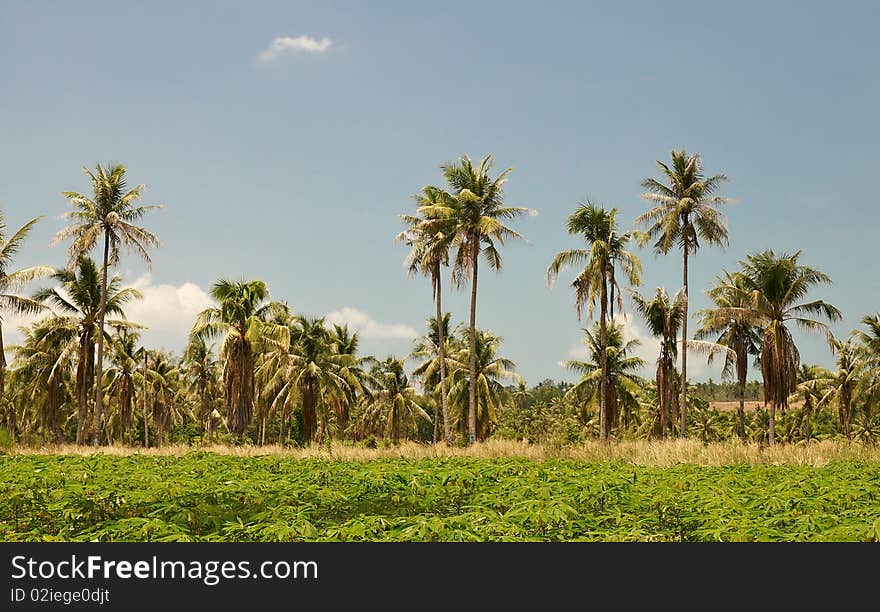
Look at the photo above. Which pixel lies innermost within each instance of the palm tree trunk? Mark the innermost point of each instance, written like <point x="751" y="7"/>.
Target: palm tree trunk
<point x="146" y="421"/>
<point x="741" y="410"/>
<point x="98" y="421"/>
<point x="472" y="382"/>
<point x="444" y="402"/>
<point x="3" y="383"/>
<point x="604" y="425"/>
<point x="684" y="353"/>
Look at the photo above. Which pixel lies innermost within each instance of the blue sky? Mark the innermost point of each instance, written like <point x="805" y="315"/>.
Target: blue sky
<point x="291" y="165"/>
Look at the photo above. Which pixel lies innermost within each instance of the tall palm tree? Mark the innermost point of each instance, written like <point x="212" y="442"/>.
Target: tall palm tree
<point x="393" y="398"/>
<point x="775" y="286"/>
<point x="432" y="349"/>
<point x="477" y="208"/>
<point x="110" y="214"/>
<point x="664" y="316"/>
<point x="200" y="369"/>
<point x="735" y="329"/>
<point x="618" y="360"/>
<point x="430" y="241"/>
<point x="492" y="374"/>
<point x="10" y="281"/>
<point x="77" y="301"/>
<point x="241" y="317"/>
<point x="606" y="250"/>
<point x="685" y="213"/>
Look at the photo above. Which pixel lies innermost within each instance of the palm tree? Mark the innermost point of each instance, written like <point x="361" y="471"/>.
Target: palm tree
<point x="45" y="359"/>
<point x="11" y="281"/>
<point x="685" y="213"/>
<point x="432" y="349"/>
<point x="774" y="287"/>
<point x="812" y="388"/>
<point x="492" y="371"/>
<point x="110" y="214"/>
<point x="619" y="362"/>
<point x="352" y="370"/>
<point x="200" y="369"/>
<point x="241" y="318"/>
<point x="869" y="351"/>
<point x="78" y="301"/>
<point x="476" y="207"/>
<point x="393" y="398"/>
<point x="843" y="383"/>
<point x="125" y="355"/>
<point x="430" y="241"/>
<point x="606" y="249"/>
<point x="305" y="363"/>
<point x="735" y="329"/>
<point x="162" y="380"/>
<point x="664" y="316"/>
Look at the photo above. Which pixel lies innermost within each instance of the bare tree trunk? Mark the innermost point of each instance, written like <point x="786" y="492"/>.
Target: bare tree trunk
<point x="604" y="421"/>
<point x="444" y="402"/>
<point x="472" y="382"/>
<point x="684" y="352"/>
<point x="741" y="410"/>
<point x="98" y="422"/>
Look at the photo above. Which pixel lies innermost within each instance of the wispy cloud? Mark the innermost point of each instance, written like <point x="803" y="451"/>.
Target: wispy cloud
<point x="368" y="327"/>
<point x="286" y="45"/>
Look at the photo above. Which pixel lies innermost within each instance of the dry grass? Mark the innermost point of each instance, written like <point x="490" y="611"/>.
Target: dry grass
<point x="641" y="452"/>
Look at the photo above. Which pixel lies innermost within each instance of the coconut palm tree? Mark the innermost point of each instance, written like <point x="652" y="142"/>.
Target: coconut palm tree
<point x="476" y="207"/>
<point x="352" y="370"/>
<point x="685" y="213"/>
<point x="393" y="399"/>
<point x="12" y="280"/>
<point x="162" y="380"/>
<point x="110" y="214"/>
<point x="304" y="363"/>
<point x="663" y="316"/>
<point x="431" y="350"/>
<point x="869" y="351"/>
<point x="618" y="360"/>
<point x="45" y="359"/>
<point x="124" y="358"/>
<point x="843" y="383"/>
<point x="241" y="317"/>
<point x="201" y="372"/>
<point x="606" y="250"/>
<point x="492" y="374"/>
<point x="429" y="241"/>
<point x="774" y="286"/>
<point x="812" y="387"/>
<point x="77" y="301"/>
<point x="736" y="329"/>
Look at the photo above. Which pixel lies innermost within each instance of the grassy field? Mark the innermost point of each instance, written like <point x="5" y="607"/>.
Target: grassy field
<point x="636" y="492"/>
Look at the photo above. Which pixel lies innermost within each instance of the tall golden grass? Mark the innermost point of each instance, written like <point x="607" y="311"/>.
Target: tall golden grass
<point x="641" y="452"/>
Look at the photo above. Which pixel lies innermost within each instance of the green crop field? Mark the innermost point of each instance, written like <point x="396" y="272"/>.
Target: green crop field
<point x="204" y="496"/>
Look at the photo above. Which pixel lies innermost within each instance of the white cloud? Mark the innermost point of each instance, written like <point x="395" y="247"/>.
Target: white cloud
<point x="285" y="45"/>
<point x="368" y="327"/>
<point x="168" y="311"/>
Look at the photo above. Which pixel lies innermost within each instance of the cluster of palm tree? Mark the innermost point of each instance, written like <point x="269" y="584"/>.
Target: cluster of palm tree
<point x="254" y="369"/>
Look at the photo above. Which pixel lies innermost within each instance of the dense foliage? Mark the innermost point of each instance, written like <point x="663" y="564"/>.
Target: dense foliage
<point x="207" y="497"/>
